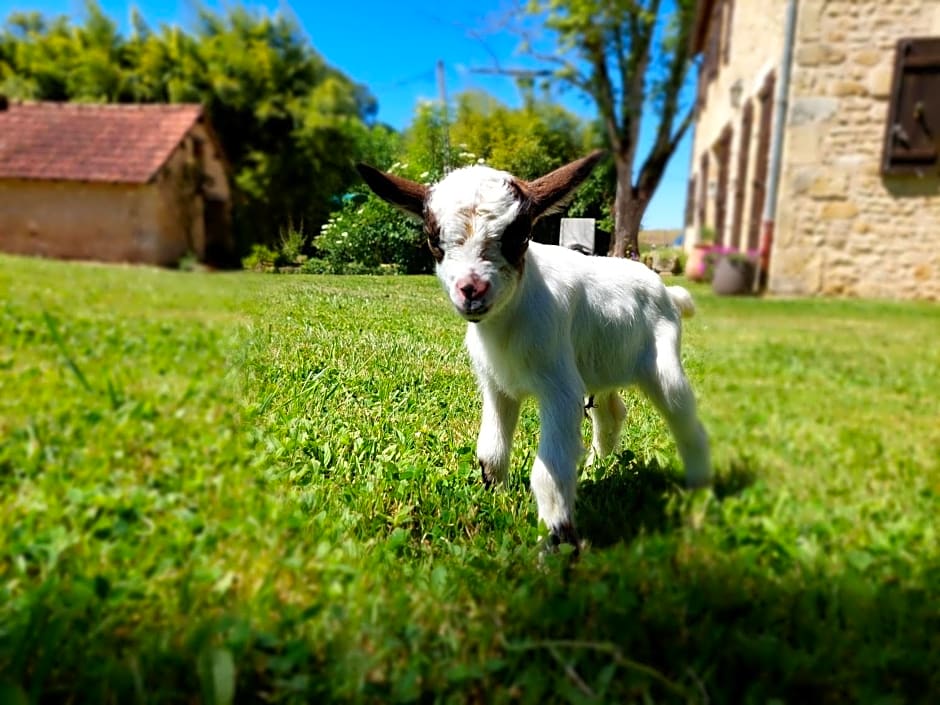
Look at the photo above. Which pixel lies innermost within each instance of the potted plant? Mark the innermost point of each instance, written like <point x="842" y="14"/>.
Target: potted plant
<point x="734" y="273"/>
<point x="696" y="267"/>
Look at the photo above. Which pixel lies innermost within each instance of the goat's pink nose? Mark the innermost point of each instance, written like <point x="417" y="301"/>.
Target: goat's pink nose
<point x="472" y="287"/>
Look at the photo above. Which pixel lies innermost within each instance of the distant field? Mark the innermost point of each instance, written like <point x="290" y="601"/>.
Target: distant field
<point x="255" y="488"/>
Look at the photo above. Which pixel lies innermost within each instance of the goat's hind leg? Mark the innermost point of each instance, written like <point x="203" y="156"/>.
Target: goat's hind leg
<point x="667" y="386"/>
<point x="607" y="414"/>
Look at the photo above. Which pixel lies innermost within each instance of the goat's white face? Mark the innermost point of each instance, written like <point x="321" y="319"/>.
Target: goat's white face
<point x="478" y="222"/>
<point x="479" y="231"/>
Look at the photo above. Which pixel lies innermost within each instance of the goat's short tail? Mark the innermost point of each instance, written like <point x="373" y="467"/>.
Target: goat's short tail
<point x="682" y="300"/>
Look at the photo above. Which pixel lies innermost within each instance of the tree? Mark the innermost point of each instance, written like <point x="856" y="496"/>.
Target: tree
<point x="532" y="141"/>
<point x="529" y="142"/>
<point x="290" y="123"/>
<point x="626" y="55"/>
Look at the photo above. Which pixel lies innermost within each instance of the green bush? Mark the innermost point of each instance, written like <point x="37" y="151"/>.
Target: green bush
<point x="261" y="259"/>
<point x="316" y="265"/>
<point x="671" y="259"/>
<point x="293" y="242"/>
<point x="288" y="256"/>
<point x="367" y="232"/>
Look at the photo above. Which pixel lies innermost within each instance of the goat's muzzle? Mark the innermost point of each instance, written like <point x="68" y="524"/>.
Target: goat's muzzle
<point x="470" y="296"/>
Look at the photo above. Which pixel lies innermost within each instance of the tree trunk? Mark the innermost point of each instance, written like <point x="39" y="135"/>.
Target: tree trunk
<point x="629" y="208"/>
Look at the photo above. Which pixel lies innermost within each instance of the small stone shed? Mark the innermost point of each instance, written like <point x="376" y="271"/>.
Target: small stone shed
<point x="114" y="183"/>
<point x="844" y="97"/>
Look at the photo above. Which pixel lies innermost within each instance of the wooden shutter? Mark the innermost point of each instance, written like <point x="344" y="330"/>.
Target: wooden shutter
<point x="759" y="185"/>
<point x="912" y="135"/>
<point x="744" y="150"/>
<point x="703" y="191"/>
<point x="690" y="202"/>
<point x="723" y="157"/>
<point x="713" y="47"/>
<point x="711" y="54"/>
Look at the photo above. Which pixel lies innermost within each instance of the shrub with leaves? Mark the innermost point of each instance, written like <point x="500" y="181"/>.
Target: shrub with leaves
<point x="368" y="232"/>
<point x="293" y="243"/>
<point x="261" y="259"/>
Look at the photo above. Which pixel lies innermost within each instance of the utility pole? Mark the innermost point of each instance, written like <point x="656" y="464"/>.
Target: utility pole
<point x="442" y="93"/>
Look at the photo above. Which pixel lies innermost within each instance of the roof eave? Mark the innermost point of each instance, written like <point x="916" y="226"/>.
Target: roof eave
<point x="63" y="180"/>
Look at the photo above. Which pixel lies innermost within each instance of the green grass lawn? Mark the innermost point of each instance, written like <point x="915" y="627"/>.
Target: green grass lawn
<point x="249" y="488"/>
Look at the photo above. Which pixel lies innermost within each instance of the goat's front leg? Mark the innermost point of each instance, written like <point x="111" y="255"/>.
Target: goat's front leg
<point x="554" y="474"/>
<point x="494" y="444"/>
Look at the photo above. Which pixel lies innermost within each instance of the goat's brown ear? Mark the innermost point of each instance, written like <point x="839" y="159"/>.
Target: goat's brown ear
<point x="407" y="195"/>
<point x="552" y="192"/>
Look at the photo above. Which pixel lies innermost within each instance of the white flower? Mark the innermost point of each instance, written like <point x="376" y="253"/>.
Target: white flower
<point x="481" y="160"/>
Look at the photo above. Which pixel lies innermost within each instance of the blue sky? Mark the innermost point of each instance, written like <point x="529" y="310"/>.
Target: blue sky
<point x="393" y="48"/>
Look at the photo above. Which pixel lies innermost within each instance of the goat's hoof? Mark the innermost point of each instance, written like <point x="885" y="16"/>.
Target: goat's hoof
<point x="489" y="482"/>
<point x="563" y="534"/>
<point x="588" y="405"/>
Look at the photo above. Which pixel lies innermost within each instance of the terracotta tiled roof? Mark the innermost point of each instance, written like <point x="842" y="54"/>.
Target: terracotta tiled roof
<point x="82" y="142"/>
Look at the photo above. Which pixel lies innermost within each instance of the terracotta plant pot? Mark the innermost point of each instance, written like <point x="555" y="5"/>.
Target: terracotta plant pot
<point x="734" y="276"/>
<point x="695" y="265"/>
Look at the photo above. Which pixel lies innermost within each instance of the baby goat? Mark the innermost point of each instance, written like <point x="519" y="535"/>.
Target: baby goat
<point x="549" y="322"/>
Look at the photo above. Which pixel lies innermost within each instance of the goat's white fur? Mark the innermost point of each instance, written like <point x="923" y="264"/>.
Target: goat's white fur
<point x="562" y="327"/>
<point x="577" y="327"/>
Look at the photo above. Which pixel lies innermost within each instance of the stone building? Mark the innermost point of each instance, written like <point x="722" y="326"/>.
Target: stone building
<point x="817" y="142"/>
<point x="117" y="183"/>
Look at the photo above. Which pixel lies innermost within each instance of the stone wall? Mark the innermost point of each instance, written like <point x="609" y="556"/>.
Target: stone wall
<point x="75" y="220"/>
<point x="842" y="228"/>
